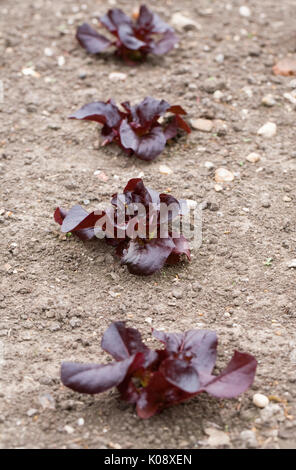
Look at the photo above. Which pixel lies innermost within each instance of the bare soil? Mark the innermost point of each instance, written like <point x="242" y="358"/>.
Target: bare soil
<point x="58" y="295"/>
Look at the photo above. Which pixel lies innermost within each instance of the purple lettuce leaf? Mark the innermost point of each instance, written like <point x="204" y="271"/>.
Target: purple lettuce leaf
<point x="151" y="22"/>
<point x="92" y="41"/>
<point x="147" y="147"/>
<point x="94" y="378"/>
<point x="113" y="19"/>
<point x="128" y="39"/>
<point x="122" y="342"/>
<point x="158" y="395"/>
<point x="105" y="113"/>
<point x="151" y="145"/>
<point x="165" y="44"/>
<point x="72" y="219"/>
<point x="149" y="110"/>
<point x="182" y="374"/>
<point x="146" y="257"/>
<point x="235" y="379"/>
<point x="201" y="344"/>
<point x="182" y="247"/>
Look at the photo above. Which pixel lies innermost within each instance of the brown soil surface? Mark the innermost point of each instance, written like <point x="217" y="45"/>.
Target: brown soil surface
<point x="57" y="294"/>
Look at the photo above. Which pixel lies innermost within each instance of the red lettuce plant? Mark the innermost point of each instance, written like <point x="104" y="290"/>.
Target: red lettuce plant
<point x="135" y="226"/>
<point x="137" y="129"/>
<point x="156" y="379"/>
<point x="133" y="40"/>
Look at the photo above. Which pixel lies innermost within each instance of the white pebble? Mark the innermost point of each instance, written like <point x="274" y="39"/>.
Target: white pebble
<point x="117" y="76"/>
<point x="69" y="429"/>
<point x="61" y="61"/>
<point x="80" y="421"/>
<point x="218" y="188"/>
<point x="290" y="97"/>
<point x="204" y="125"/>
<point x="218" y="95"/>
<point x="253" y="157"/>
<point x="148" y="320"/>
<point x="268" y="100"/>
<point x="292" y="83"/>
<point x="209" y="165"/>
<point x="222" y="175"/>
<point x="180" y="22"/>
<point x="260" y="400"/>
<point x="48" y="52"/>
<point x="165" y="170"/>
<point x="245" y="11"/>
<point x="248" y="91"/>
<point x="219" y="58"/>
<point x="268" y="130"/>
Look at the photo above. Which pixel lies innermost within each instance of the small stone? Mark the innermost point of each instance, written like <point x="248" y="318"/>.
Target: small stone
<point x="213" y="206"/>
<point x="196" y="286"/>
<point x="248" y="91"/>
<point x="48" y="52"/>
<point x="182" y="22"/>
<point x="192" y="87"/>
<point x="148" y="320"/>
<point x="209" y="165"/>
<point x="117" y="76"/>
<point x="292" y="84"/>
<point x="260" y="400"/>
<point x="177" y="293"/>
<point x="69" y="429"/>
<point x="210" y="85"/>
<point x="268" y="100"/>
<point x="253" y="157"/>
<point x="270" y="412"/>
<point x="268" y="130"/>
<point x="75" y="322"/>
<point x="245" y="11"/>
<point x="30" y="71"/>
<point x="165" y="170"/>
<point x="219" y="58"/>
<point x="218" y="95"/>
<point x="216" y="437"/>
<point x="32" y="412"/>
<point x="249" y="439"/>
<point x="220" y="127"/>
<point x="53" y="126"/>
<point x="285" y="67"/>
<point x="82" y="75"/>
<point x="218" y="188"/>
<point x="287" y="199"/>
<point x="204" y="125"/>
<point x="222" y="175"/>
<point x="54" y="327"/>
<point x="292" y="264"/>
<point x="255" y="51"/>
<point x="265" y="202"/>
<point x="61" y="61"/>
<point x="80" y="421"/>
<point x="47" y="401"/>
<point x="290" y="97"/>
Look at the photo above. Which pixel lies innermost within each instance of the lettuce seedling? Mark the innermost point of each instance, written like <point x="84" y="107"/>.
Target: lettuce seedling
<point x="137" y="129"/>
<point x="138" y="225"/>
<point x="133" y="40"/>
<point x="156" y="379"/>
